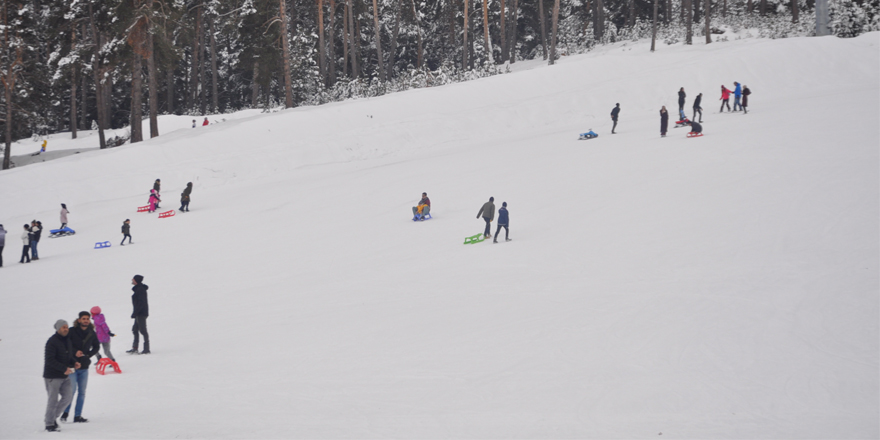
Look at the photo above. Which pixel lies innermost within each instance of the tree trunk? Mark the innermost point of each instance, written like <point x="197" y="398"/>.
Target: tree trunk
<point x="598" y="20"/>
<point x="511" y="45"/>
<point x="96" y="63"/>
<point x="504" y="41"/>
<point x="451" y="8"/>
<point x="84" y="103"/>
<point x="354" y="35"/>
<point x="322" y="47"/>
<point x="421" y="56"/>
<point x="255" y="86"/>
<point x="154" y="87"/>
<point x="706" y="10"/>
<point x="487" y="40"/>
<point x="8" y="83"/>
<point x="194" y="68"/>
<point x="794" y="11"/>
<point x="654" y="28"/>
<point x="543" y="18"/>
<point x="379" y="57"/>
<point x="332" y="58"/>
<point x="169" y="91"/>
<point x="471" y="40"/>
<point x="555" y="30"/>
<point x="203" y="60"/>
<point x="392" y="52"/>
<point x="688" y="21"/>
<point x="285" y="44"/>
<point x="464" y="47"/>
<point x="763" y="7"/>
<point x="73" y="85"/>
<point x="667" y="11"/>
<point x="632" y="13"/>
<point x="137" y="93"/>
<point x="345" y="40"/>
<point x="215" y="106"/>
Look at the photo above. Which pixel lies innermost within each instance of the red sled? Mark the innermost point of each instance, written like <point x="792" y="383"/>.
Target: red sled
<point x="167" y="214"/>
<point x="104" y="363"/>
<point x="693" y="134"/>
<point x="144" y="208"/>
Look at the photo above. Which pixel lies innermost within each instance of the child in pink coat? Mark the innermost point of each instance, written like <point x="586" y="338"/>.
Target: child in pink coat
<point x="154" y="200"/>
<point x="103" y="332"/>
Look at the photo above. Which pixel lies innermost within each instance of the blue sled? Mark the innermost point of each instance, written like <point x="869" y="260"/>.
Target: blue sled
<point x="61" y="232"/>
<point x="422" y="217"/>
<point x="588" y="135"/>
<point x="103" y="245"/>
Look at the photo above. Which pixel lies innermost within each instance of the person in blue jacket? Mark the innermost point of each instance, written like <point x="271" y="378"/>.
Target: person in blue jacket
<point x="503" y="222"/>
<point x="737" y="95"/>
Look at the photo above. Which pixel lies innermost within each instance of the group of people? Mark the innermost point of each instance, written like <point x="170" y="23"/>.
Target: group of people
<point x="69" y="350"/>
<point x="204" y="123"/>
<point x="30" y="238"/>
<point x="487" y="212"/>
<point x="184" y="196"/>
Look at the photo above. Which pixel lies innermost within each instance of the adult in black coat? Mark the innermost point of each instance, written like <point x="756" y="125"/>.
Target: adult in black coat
<point x="614" y="112"/>
<point x="746" y="92"/>
<point x="157" y="185"/>
<point x="140" y="312"/>
<point x="664" y="121"/>
<point x="681" y="97"/>
<point x="697" y="108"/>
<point x="85" y="345"/>
<point x="184" y="197"/>
<point x="58" y="364"/>
<point x="696" y="127"/>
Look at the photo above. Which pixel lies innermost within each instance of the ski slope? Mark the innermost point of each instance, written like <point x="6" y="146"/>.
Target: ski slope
<point x="717" y="287"/>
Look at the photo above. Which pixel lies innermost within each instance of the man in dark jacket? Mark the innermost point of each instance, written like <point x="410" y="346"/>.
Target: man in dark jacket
<point x="503" y="222"/>
<point x="36" y="230"/>
<point x="614" y="112"/>
<point x="488" y="214"/>
<point x="745" y="104"/>
<point x="85" y="344"/>
<point x="126" y="232"/>
<point x="184" y="197"/>
<point x="139" y="314"/>
<point x="156" y="186"/>
<point x="58" y="364"/>
<point x="697" y="108"/>
<point x="681" y="96"/>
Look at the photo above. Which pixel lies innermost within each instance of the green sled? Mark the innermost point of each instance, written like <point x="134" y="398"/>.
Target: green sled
<point x="475" y="239"/>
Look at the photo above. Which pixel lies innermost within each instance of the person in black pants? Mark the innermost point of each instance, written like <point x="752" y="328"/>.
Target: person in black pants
<point x="503" y="222"/>
<point x="697" y="108"/>
<point x="681" y="97"/>
<point x="184" y="197"/>
<point x="139" y="314"/>
<point x="614" y="112"/>
<point x="664" y="121"/>
<point x="126" y="232"/>
<point x="488" y="214"/>
<point x="26" y="239"/>
<point x="2" y="243"/>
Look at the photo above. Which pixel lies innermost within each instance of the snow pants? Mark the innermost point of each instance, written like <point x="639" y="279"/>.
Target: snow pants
<point x="488" y="231"/>
<point x="24" y="254"/>
<point x="506" y="232"/>
<point x="123" y="239"/>
<point x="700" y="111"/>
<point x="421" y="210"/>
<point x="55" y="407"/>
<point x="105" y="346"/>
<point x="612" y="128"/>
<point x="1" y="256"/>
<point x="723" y="103"/>
<point x="140" y="325"/>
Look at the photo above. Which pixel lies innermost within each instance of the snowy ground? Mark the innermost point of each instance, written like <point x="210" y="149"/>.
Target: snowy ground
<point x="718" y="287"/>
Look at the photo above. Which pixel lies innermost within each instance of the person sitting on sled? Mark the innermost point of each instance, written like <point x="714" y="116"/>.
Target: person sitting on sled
<point x="696" y="128"/>
<point x="424" y="207"/>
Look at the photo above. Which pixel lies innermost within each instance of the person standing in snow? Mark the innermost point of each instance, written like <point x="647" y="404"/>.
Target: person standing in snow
<point x="737" y="94"/>
<point x="725" y="99"/>
<point x="26" y="239"/>
<point x="194" y="123"/>
<point x="423" y="208"/>
<point x="2" y="243"/>
<point x="36" y="230"/>
<point x="85" y="344"/>
<point x="154" y="200"/>
<point x="140" y="314"/>
<point x="58" y="365"/>
<point x="205" y="123"/>
<point x="157" y="186"/>
<point x="103" y="332"/>
<point x="488" y="214"/>
<point x="681" y="96"/>
<point x="64" y="213"/>
<point x="664" y="121"/>
<point x="697" y="108"/>
<point x="503" y="222"/>
<point x="126" y="232"/>
<point x="745" y="104"/>
<point x="614" y="112"/>
<point x="184" y="197"/>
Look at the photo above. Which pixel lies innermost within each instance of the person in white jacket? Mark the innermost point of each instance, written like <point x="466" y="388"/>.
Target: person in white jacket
<point x="26" y="239"/>
<point x="64" y="213"/>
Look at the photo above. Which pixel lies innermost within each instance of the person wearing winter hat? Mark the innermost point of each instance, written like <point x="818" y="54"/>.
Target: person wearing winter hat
<point x="126" y="232"/>
<point x="26" y="240"/>
<point x="157" y="185"/>
<point x="139" y="314"/>
<point x="614" y="113"/>
<point x="85" y="343"/>
<point x="184" y="197"/>
<point x="64" y="213"/>
<point x="488" y="214"/>
<point x="58" y="365"/>
<point x="503" y="222"/>
<point x="103" y="332"/>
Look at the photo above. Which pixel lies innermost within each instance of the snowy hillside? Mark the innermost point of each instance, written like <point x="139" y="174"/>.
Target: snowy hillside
<point x="718" y="287"/>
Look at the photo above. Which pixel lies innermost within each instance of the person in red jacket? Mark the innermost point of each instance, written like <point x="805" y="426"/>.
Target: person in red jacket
<point x="725" y="99"/>
<point x="205" y="123"/>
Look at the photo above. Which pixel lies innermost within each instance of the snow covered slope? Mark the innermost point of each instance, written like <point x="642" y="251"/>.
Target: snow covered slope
<point x="718" y="287"/>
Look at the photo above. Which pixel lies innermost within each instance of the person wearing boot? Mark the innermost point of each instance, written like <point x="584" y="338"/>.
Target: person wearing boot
<point x="85" y="345"/>
<point x="58" y="364"/>
<point x="139" y="314"/>
<point x="488" y="214"/>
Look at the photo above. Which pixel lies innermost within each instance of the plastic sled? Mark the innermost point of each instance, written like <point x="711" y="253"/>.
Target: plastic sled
<point x="55" y="233"/>
<point x="682" y="123"/>
<point x="423" y="217"/>
<point x="694" y="134"/>
<point x="474" y="239"/>
<point x="167" y="214"/>
<point x="588" y="135"/>
<point x="103" y="245"/>
<point x="102" y="365"/>
<point x="144" y="208"/>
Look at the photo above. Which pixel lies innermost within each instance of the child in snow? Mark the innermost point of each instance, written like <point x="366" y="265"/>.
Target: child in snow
<point x="424" y="207"/>
<point x="154" y="200"/>
<point x="664" y="122"/>
<point x="157" y="186"/>
<point x="126" y="232"/>
<point x="64" y="213"/>
<point x="184" y="197"/>
<point x="205" y="123"/>
<point x="103" y="332"/>
<point x="725" y="99"/>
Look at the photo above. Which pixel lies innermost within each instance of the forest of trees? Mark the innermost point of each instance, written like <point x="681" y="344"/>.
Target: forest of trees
<point x="69" y="65"/>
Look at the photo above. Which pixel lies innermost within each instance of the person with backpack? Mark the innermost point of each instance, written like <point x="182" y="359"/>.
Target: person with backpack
<point x="184" y="197"/>
<point x="140" y="314"/>
<point x="103" y="332"/>
<point x="681" y="96"/>
<point x="126" y="232"/>
<point x="488" y="214"/>
<point x="614" y="112"/>
<point x="64" y="213"/>
<point x="697" y="108"/>
<point x="503" y="222"/>
<point x="745" y="103"/>
<point x="725" y="99"/>
<point x="664" y="121"/>
<point x="58" y="365"/>
<point x="85" y="345"/>
<point x="26" y="240"/>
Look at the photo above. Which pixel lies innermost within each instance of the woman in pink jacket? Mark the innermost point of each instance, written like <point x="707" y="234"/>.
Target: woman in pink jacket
<point x="725" y="99"/>
<point x="154" y="200"/>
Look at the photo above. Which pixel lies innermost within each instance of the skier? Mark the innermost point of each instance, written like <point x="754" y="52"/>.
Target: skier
<point x="126" y="232"/>
<point x="157" y="186"/>
<point x="725" y="99"/>
<point x="184" y="197"/>
<point x="205" y="123"/>
<point x="664" y="122"/>
<point x="737" y="94"/>
<point x="488" y="214"/>
<point x="2" y="243"/>
<point x="26" y="239"/>
<point x="139" y="314"/>
<point x="103" y="332"/>
<point x="85" y="344"/>
<point x="423" y="209"/>
<point x="503" y="222"/>
<point x="697" y="108"/>
<point x="681" y="96"/>
<point x="695" y="127"/>
<point x="64" y="213"/>
<point x="745" y="103"/>
<point x="614" y="112"/>
<point x="36" y="230"/>
<point x="58" y="365"/>
<point x="154" y="200"/>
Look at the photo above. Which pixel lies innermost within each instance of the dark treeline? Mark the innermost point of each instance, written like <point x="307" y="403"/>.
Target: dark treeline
<point x="88" y="64"/>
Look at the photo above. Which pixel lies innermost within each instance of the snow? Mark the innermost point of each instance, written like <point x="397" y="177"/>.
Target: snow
<point x="718" y="287"/>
